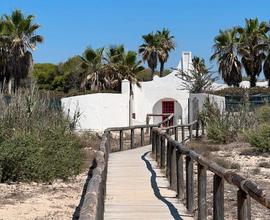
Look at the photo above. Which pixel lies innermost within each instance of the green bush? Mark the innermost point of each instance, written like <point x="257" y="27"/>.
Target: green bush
<point x="36" y="141"/>
<point x="259" y="137"/>
<point x="263" y="114"/>
<point x="225" y="127"/>
<point x="218" y="130"/>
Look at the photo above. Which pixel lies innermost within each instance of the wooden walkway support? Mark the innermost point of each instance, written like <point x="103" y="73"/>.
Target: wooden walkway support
<point x="138" y="189"/>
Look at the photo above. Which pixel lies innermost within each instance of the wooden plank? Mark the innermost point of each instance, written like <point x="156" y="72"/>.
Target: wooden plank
<point x="130" y="193"/>
<point x="243" y="205"/>
<point x="218" y="198"/>
<point x="189" y="184"/>
<point x="202" y="201"/>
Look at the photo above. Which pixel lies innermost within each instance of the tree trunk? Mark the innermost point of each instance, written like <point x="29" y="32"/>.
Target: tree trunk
<point x="161" y="69"/>
<point x="152" y="73"/>
<point x="269" y="83"/>
<point x="253" y="80"/>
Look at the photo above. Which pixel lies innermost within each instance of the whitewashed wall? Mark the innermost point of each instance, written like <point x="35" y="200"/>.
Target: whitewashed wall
<point x="219" y="100"/>
<point x="150" y="93"/>
<point x="101" y="110"/>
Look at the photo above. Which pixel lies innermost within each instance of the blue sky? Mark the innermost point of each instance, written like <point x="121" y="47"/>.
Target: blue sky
<point x="70" y="26"/>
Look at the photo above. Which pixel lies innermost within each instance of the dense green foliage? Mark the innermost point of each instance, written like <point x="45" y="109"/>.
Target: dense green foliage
<point x="156" y="47"/>
<point x="17" y="39"/>
<point x="241" y="91"/>
<point x="36" y="142"/>
<point x="259" y="136"/>
<point x="248" y="44"/>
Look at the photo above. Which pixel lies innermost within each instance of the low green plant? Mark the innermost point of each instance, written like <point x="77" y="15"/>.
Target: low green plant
<point x="259" y="137"/>
<point x="225" y="127"/>
<point x="36" y="140"/>
<point x="263" y="114"/>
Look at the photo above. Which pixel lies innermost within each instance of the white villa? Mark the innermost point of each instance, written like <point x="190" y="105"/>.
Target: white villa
<point x="161" y="95"/>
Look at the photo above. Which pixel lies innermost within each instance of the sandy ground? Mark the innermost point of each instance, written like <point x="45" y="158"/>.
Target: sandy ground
<point x="39" y="201"/>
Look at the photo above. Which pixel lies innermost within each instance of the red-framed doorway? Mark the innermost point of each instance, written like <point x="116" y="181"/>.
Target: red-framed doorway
<point x="167" y="108"/>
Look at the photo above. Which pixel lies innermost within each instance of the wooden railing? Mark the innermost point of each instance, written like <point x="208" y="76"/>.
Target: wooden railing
<point x="171" y="154"/>
<point x="93" y="205"/>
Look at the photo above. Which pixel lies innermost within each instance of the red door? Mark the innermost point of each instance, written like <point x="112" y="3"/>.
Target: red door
<point x="167" y="108"/>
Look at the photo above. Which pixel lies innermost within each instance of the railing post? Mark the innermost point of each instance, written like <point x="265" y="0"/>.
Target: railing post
<point x="183" y="133"/>
<point x="243" y="205"/>
<point x="180" y="175"/>
<point x="173" y="169"/>
<point x="132" y="138"/>
<point x="153" y="139"/>
<point x="162" y="155"/>
<point x="218" y="198"/>
<point x="142" y="137"/>
<point x="158" y="147"/>
<point x="202" y="203"/>
<point x="190" y="132"/>
<point x="151" y="134"/>
<point x="147" y="123"/>
<point x="168" y="161"/>
<point x="121" y="140"/>
<point x="176" y="133"/>
<point x="189" y="184"/>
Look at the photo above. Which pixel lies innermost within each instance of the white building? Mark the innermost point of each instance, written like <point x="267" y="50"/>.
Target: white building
<point x="161" y="95"/>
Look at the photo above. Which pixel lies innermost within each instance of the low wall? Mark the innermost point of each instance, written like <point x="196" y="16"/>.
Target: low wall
<point x="98" y="111"/>
<point x="200" y="99"/>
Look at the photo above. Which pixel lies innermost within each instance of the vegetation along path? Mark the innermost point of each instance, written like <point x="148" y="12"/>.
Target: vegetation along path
<point x="138" y="189"/>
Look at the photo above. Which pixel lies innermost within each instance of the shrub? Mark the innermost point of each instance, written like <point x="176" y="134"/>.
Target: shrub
<point x="36" y="142"/>
<point x="259" y="137"/>
<point x="263" y="114"/>
<point x="224" y="127"/>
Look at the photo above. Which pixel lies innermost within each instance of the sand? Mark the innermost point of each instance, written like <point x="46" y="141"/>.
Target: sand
<point x="32" y="201"/>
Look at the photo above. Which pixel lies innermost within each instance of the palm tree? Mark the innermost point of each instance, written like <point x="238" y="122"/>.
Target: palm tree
<point x="19" y="30"/>
<point x="125" y="64"/>
<point x="252" y="47"/>
<point x="266" y="65"/>
<point x="225" y="52"/>
<point x="149" y="51"/>
<point x="92" y="66"/>
<point x="166" y="44"/>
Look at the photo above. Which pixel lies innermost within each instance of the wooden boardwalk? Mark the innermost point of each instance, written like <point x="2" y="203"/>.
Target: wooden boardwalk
<point x="138" y="189"/>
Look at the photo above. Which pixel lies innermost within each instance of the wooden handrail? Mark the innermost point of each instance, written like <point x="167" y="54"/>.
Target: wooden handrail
<point x="174" y="166"/>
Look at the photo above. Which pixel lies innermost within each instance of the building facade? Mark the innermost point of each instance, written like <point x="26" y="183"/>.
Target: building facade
<point x="161" y="95"/>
